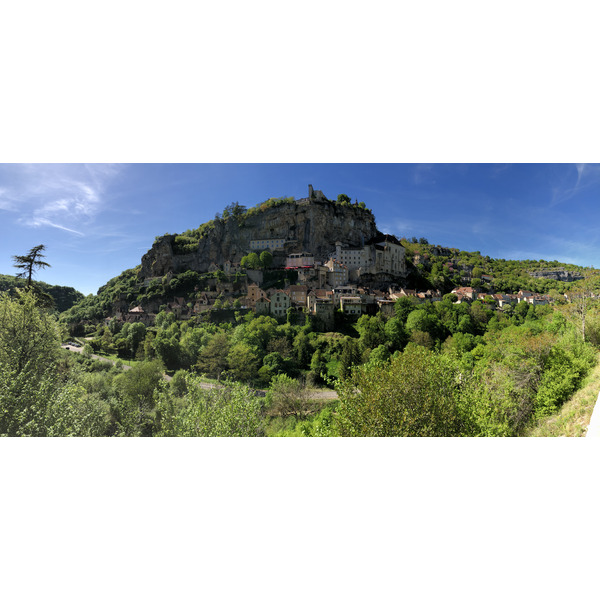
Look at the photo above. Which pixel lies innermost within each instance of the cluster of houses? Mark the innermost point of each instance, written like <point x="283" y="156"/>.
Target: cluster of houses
<point x="322" y="286"/>
<point x="469" y="294"/>
<point x="321" y="302"/>
<point x="383" y="254"/>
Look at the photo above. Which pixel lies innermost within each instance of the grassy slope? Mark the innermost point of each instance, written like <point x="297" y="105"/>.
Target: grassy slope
<point x="574" y="416"/>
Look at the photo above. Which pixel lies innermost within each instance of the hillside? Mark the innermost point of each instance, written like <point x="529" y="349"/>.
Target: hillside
<point x="422" y="331"/>
<point x="64" y="297"/>
<point x="201" y="269"/>
<point x="283" y="225"/>
<point x="437" y="267"/>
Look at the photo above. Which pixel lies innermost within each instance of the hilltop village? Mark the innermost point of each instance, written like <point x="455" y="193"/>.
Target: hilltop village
<point x="282" y="265"/>
<point x="240" y="326"/>
<point x="320" y="300"/>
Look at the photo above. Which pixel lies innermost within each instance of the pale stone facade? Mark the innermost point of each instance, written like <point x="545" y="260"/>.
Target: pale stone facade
<point x="280" y="302"/>
<point x="381" y="254"/>
<point x="268" y="244"/>
<point x="301" y="260"/>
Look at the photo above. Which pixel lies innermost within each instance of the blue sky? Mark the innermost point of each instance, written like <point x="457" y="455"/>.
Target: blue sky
<point x="98" y="219"/>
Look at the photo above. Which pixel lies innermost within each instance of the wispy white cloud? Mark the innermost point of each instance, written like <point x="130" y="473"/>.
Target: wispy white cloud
<point x="580" y="169"/>
<point x="588" y="175"/>
<point x="41" y="222"/>
<point x="65" y="197"/>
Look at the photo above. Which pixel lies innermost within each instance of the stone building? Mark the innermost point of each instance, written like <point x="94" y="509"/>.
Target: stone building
<point x="300" y="260"/>
<point x="338" y="273"/>
<point x="352" y="305"/>
<point x="381" y="254"/>
<point x="255" y="293"/>
<point x="320" y="304"/>
<point x="298" y="294"/>
<point x="280" y="302"/>
<point x="267" y="244"/>
<point x="262" y="306"/>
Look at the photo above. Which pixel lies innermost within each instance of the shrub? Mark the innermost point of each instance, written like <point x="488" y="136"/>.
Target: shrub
<point x="416" y="394"/>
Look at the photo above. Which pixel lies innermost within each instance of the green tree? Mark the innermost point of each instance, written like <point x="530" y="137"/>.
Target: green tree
<point x="349" y="358"/>
<point x="30" y="262"/>
<point x="167" y="347"/>
<point x="423" y="320"/>
<point x="227" y="411"/>
<point x="190" y="344"/>
<point x="179" y="383"/>
<point x="289" y="397"/>
<point x="395" y="333"/>
<point x="26" y="370"/>
<point x="135" y="336"/>
<point x="403" y="307"/>
<point x="379" y="355"/>
<point x="274" y="362"/>
<point x="71" y="411"/>
<point x="422" y="338"/>
<point x="251" y="261"/>
<point x="580" y="297"/>
<point x="235" y="210"/>
<point x="480" y="313"/>
<point x="371" y="330"/>
<point x="136" y="386"/>
<point x="266" y="259"/>
<point x="106" y="340"/>
<point x="302" y="349"/>
<point x="260" y="331"/>
<point x="416" y="394"/>
<point x="212" y="359"/>
<point x="243" y="363"/>
<point x="33" y="399"/>
<point x="318" y="366"/>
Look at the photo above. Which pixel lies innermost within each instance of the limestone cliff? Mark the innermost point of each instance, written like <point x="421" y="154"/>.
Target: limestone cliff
<point x="305" y="226"/>
<point x="558" y="274"/>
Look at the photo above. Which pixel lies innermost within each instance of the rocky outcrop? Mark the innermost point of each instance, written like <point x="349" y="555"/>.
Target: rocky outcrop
<point x="310" y="225"/>
<point x="557" y="274"/>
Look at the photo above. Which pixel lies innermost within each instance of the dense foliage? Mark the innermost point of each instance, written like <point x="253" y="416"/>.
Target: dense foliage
<point x="444" y="268"/>
<point x="64" y="297"/>
<point x="429" y="369"/>
<point x="438" y="369"/>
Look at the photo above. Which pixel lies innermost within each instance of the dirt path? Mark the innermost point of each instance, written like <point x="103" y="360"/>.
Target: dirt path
<point x="94" y="356"/>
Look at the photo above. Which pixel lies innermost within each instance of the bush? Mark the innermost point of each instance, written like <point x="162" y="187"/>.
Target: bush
<point x="289" y="397"/>
<point x="416" y="394"/>
<point x="232" y="410"/>
<point x="559" y="380"/>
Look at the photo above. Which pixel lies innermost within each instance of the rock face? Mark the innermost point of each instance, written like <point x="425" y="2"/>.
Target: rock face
<point x="558" y="274"/>
<point x="309" y="225"/>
